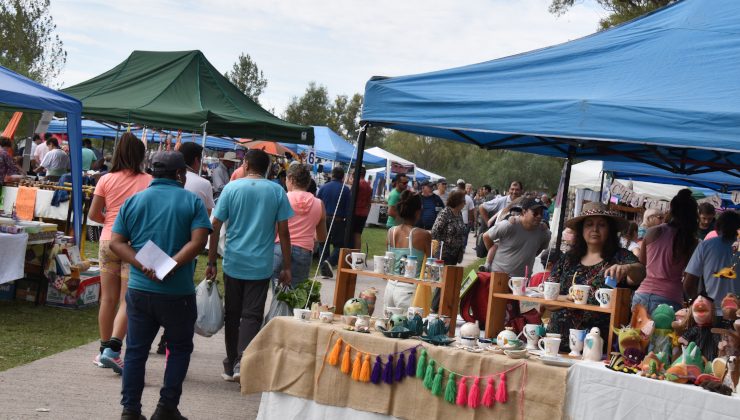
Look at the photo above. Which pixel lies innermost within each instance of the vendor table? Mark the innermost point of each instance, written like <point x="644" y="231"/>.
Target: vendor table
<point x="287" y="357"/>
<point x="12" y="255"/>
<point x="43" y="208"/>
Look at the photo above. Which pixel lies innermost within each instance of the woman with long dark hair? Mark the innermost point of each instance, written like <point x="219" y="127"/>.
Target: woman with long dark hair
<point x="665" y="251"/>
<point x="125" y="178"/>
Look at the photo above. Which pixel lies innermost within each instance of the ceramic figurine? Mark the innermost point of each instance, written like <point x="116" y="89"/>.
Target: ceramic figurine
<point x="470" y="329"/>
<point x="702" y="312"/>
<point x="662" y="339"/>
<point x="363" y="323"/>
<point x="415" y="324"/>
<point x="630" y="345"/>
<point x="355" y="306"/>
<point x="435" y="327"/>
<point x="593" y="345"/>
<point x="369" y="296"/>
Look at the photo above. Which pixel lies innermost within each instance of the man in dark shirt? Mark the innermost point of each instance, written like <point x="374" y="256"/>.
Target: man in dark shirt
<point x="362" y="208"/>
<point x="431" y="205"/>
<point x="335" y="196"/>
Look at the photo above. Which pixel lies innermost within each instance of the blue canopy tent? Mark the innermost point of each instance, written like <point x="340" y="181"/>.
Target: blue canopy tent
<point x="714" y="181"/>
<point x="331" y="146"/>
<point x="19" y="91"/>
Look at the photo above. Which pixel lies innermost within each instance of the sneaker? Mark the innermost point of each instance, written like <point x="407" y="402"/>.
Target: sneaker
<point x="326" y="270"/>
<point x="113" y="360"/>
<point x="163" y="413"/>
<point x="130" y="415"/>
<point x="227" y="377"/>
<point x="96" y="361"/>
<point x="236" y="374"/>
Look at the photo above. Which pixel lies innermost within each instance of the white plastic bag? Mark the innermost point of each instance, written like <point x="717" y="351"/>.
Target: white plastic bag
<point x="277" y="307"/>
<point x="210" y="309"/>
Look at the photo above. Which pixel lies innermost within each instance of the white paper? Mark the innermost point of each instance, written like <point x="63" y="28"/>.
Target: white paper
<point x="152" y="256"/>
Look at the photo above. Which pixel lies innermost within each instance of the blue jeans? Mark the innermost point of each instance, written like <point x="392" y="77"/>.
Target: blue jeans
<point x="146" y="313"/>
<point x="300" y="264"/>
<point x="651" y="301"/>
<point x="335" y="240"/>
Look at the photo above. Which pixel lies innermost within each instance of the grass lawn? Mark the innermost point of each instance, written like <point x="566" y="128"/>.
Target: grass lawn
<point x="29" y="332"/>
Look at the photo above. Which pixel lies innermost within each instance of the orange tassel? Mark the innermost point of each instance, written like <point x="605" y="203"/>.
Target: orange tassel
<point x="333" y="357"/>
<point x="365" y="372"/>
<point x="357" y="367"/>
<point x="345" y="359"/>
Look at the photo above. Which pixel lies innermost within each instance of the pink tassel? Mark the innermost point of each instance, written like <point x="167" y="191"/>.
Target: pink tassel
<point x="501" y="395"/>
<point x="462" y="393"/>
<point x="474" y="392"/>
<point x="488" y="400"/>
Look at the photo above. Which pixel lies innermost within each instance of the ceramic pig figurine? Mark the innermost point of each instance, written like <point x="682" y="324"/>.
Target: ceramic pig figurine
<point x="593" y="345"/>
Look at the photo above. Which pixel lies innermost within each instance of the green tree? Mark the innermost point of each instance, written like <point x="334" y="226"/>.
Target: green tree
<point x="310" y="109"/>
<point x="246" y="76"/>
<point x="28" y="42"/>
<point x="620" y="11"/>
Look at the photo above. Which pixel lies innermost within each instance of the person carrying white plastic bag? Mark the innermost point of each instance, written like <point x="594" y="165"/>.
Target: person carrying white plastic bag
<point x="210" y="309"/>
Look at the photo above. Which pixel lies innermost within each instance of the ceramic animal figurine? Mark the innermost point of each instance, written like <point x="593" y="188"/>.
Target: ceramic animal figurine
<point x="702" y="312"/>
<point x="630" y="345"/>
<point x="593" y="345"/>
<point x="661" y="340"/>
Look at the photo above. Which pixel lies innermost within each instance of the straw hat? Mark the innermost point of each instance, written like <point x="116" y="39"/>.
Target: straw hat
<point x="230" y="156"/>
<point x="598" y="209"/>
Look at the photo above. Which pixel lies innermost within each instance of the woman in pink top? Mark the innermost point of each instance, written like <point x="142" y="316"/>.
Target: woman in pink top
<point x="665" y="251"/>
<point x="126" y="178"/>
<point x="308" y="223"/>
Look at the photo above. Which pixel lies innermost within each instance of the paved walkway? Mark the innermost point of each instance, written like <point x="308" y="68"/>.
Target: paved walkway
<point x="68" y="386"/>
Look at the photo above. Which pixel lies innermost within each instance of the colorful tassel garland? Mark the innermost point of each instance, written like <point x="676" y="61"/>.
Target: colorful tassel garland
<point x="451" y="389"/>
<point x="411" y="365"/>
<point x="400" y="371"/>
<point x="421" y="367"/>
<point x="474" y="392"/>
<point x="388" y="371"/>
<point x="501" y="394"/>
<point x="437" y="384"/>
<point x="429" y="375"/>
<point x="365" y="371"/>
<point x="488" y="400"/>
<point x="345" y="359"/>
<point x="333" y="358"/>
<point x="377" y="369"/>
<point x="357" y="367"/>
<point x="462" y="393"/>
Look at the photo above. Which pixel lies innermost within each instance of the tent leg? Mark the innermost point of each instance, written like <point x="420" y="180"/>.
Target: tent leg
<point x="355" y="186"/>
<point x="601" y="189"/>
<point x="564" y="201"/>
<point x="203" y="151"/>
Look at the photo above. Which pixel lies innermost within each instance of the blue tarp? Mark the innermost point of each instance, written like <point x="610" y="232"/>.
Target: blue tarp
<point x="331" y="146"/>
<point x="661" y="89"/>
<point x="715" y="181"/>
<point x="95" y="129"/>
<point x="19" y="91"/>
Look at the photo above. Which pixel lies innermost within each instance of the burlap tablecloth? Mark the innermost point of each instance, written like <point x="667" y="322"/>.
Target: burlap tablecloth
<point x="287" y="356"/>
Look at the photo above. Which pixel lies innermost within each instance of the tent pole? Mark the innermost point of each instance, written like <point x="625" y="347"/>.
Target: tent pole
<point x="203" y="151"/>
<point x="601" y="190"/>
<point x="564" y="202"/>
<point x="115" y="141"/>
<point x="355" y="187"/>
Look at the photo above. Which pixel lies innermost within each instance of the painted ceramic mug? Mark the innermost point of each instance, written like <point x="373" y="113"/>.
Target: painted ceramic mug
<point x="516" y="284"/>
<point x="533" y="332"/>
<point x="356" y="260"/>
<point x="604" y="297"/>
<point x="580" y="293"/>
<point x="549" y="345"/>
<point x="379" y="264"/>
<point x="575" y="340"/>
<point x="550" y="290"/>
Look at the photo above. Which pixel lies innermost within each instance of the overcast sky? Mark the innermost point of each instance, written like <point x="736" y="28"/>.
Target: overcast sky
<point x="337" y="43"/>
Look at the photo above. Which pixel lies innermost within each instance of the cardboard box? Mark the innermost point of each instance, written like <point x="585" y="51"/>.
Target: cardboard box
<point x="26" y="290"/>
<point x="87" y="294"/>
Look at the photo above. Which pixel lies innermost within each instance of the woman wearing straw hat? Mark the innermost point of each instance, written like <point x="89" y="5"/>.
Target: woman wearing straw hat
<point x="596" y="254"/>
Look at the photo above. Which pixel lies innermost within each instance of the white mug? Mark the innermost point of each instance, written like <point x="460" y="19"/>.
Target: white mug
<point x="604" y="297"/>
<point x="532" y="332"/>
<point x="550" y="290"/>
<point x="379" y="264"/>
<point x="356" y="260"/>
<point x="549" y="345"/>
<point x="516" y="284"/>
<point x="580" y="293"/>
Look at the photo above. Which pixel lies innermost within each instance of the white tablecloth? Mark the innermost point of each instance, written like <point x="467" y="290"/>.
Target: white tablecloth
<point x="43" y="207"/>
<point x="12" y="256"/>
<point x="595" y="392"/>
<point x="276" y="405"/>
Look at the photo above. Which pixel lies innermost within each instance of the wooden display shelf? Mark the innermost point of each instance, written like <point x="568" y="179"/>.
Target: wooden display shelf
<point x="499" y="293"/>
<point x="449" y="299"/>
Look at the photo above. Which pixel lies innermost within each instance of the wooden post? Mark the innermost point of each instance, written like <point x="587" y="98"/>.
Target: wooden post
<point x="620" y="315"/>
<point x="449" y="299"/>
<point x="496" y="311"/>
<point x="345" y="287"/>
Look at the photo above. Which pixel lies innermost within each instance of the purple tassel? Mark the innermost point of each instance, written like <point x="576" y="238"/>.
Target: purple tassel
<point x="388" y="371"/>
<point x="375" y="374"/>
<point x="400" y="368"/>
<point x="411" y="365"/>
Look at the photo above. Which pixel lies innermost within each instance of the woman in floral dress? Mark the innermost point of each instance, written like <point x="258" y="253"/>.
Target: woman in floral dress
<point x="595" y="255"/>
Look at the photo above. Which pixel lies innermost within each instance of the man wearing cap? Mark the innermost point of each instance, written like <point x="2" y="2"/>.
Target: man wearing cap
<point x="431" y="205"/>
<point x="175" y="220"/>
<point x="441" y="190"/>
<point x="519" y="242"/>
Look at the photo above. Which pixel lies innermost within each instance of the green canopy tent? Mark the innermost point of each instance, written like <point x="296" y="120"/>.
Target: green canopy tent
<point x="180" y="90"/>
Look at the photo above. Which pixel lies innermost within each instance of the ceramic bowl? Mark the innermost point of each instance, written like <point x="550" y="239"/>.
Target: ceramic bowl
<point x="349" y="320"/>
<point x="302" y="314"/>
<point x="326" y="317"/>
<point x="517" y="354"/>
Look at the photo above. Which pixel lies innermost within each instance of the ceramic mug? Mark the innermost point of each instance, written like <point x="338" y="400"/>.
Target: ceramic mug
<point x="580" y="293"/>
<point x="413" y="310"/>
<point x="532" y="332"/>
<point x="575" y="340"/>
<point x="550" y="290"/>
<point x="379" y="264"/>
<point x="302" y="314"/>
<point x="326" y="317"/>
<point x="604" y="297"/>
<point x="549" y="345"/>
<point x="381" y="323"/>
<point x="356" y="260"/>
<point x="389" y="311"/>
<point x="516" y="284"/>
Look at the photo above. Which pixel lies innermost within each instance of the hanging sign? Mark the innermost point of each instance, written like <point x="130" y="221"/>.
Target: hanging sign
<point x="310" y="156"/>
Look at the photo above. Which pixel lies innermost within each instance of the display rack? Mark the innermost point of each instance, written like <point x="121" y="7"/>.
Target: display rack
<point x="449" y="300"/>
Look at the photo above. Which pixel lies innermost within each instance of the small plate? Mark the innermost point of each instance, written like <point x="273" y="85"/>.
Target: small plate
<point x="404" y="333"/>
<point x="516" y="354"/>
<point x="438" y="342"/>
<point x="557" y="361"/>
<point x="496" y="350"/>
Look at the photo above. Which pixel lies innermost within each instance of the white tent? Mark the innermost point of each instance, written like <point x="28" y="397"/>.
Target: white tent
<point x="426" y="174"/>
<point x="388" y="156"/>
<point x="587" y="175"/>
<point x="384" y="154"/>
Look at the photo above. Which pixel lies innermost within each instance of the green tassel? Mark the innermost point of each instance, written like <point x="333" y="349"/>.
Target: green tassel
<point x="451" y="389"/>
<point x="429" y="375"/>
<point x="421" y="366"/>
<point x="437" y="385"/>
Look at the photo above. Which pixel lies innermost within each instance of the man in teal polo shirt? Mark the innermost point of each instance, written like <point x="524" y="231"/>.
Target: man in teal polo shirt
<point x="253" y="207"/>
<point x="399" y="186"/>
<point x="88" y="155"/>
<point x="176" y="221"/>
